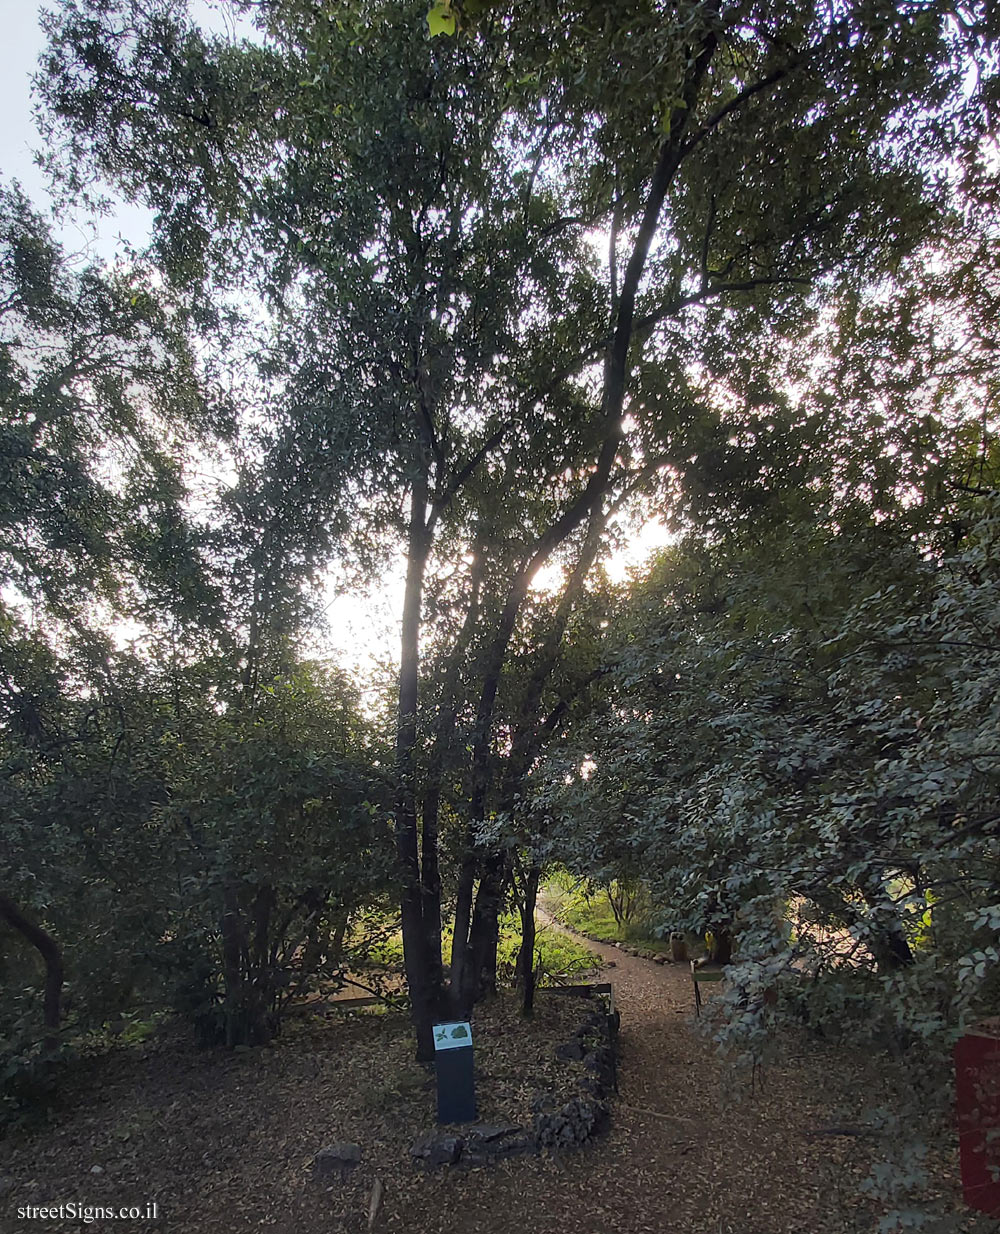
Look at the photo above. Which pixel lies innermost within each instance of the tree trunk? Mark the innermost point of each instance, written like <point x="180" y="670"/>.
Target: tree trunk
<point x="487" y="983"/>
<point x="262" y="1008"/>
<point x="526" y="956"/>
<point x="478" y="978"/>
<point x="233" y="951"/>
<point x="889" y="946"/>
<point x="430" y="894"/>
<point x="529" y="731"/>
<point x="894" y="951"/>
<point x="463" y="919"/>
<point x="721" y="949"/>
<point x="443" y="738"/>
<point x="49" y="950"/>
<point x="337" y="936"/>
<point x="415" y="951"/>
<point x="586" y="506"/>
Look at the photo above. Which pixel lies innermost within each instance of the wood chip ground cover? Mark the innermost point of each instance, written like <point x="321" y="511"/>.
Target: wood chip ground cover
<point x="224" y="1142"/>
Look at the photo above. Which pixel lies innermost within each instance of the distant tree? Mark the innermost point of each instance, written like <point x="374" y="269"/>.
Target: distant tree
<point x="95" y="368"/>
<point x="107" y="405"/>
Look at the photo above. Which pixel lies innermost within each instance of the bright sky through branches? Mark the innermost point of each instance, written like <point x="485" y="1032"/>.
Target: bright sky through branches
<point x="363" y="628"/>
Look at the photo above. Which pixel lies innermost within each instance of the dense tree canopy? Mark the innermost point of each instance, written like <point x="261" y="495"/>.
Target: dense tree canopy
<point x="481" y="286"/>
<point x="146" y="645"/>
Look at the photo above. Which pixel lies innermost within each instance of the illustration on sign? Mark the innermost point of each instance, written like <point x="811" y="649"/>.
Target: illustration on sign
<point x="452" y="1036"/>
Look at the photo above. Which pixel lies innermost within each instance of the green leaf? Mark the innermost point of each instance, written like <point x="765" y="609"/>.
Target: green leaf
<point x="441" y="20"/>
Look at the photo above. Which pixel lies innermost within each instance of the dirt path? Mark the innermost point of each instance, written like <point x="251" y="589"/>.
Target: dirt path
<point x="225" y="1141"/>
<point x="691" y="1149"/>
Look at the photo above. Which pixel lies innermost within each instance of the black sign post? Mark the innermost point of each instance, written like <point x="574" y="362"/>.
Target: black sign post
<point x="456" y="1089"/>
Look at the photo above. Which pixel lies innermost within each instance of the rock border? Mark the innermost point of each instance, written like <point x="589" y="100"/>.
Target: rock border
<point x="555" y="1126"/>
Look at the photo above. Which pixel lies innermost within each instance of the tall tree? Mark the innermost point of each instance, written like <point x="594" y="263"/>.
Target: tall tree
<point x="507" y="264"/>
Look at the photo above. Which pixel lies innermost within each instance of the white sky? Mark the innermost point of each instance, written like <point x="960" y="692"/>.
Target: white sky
<point x="19" y="49"/>
<point x="362" y="629"/>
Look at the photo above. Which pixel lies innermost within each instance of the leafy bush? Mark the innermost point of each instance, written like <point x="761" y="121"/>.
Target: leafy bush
<point x="556" y="953"/>
<point x="586" y="907"/>
<point x="221" y="851"/>
<point x="279" y="838"/>
<point x="804" y="753"/>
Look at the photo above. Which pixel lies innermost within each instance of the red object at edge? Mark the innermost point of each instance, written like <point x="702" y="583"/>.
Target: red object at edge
<point x="977" y="1089"/>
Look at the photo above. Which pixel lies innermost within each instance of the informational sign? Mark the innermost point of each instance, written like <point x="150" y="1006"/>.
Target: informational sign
<point x="452" y="1036"/>
<point x="456" y="1088"/>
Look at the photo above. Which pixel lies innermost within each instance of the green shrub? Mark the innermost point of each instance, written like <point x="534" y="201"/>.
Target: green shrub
<point x="587" y="908"/>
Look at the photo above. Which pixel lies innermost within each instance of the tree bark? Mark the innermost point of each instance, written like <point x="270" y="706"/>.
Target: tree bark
<point x="463" y="920"/>
<point x="233" y="953"/>
<point x="415" y="949"/>
<point x="443" y="738"/>
<point x="51" y="954"/>
<point x="526" y="956"/>
<point x="475" y="978"/>
<point x="530" y="730"/>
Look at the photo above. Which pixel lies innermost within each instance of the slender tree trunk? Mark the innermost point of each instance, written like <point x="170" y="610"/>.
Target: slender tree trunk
<point x="443" y="737"/>
<point x="337" y="936"/>
<point x="262" y="989"/>
<point x="463" y="921"/>
<point x="483" y="923"/>
<point x="889" y="946"/>
<point x="51" y="954"/>
<point x="472" y="973"/>
<point x="528" y="733"/>
<point x="430" y="894"/>
<point x="488" y="968"/>
<point x="423" y="997"/>
<point x="526" y="956"/>
<point x="588" y="503"/>
<point x="233" y="952"/>
<point x="477" y="979"/>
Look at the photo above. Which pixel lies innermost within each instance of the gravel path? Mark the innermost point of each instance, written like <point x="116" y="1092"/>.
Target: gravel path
<point x="691" y="1150"/>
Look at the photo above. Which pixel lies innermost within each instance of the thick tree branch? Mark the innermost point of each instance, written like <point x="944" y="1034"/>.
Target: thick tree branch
<point x="48" y="948"/>
<point x="734" y="104"/>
